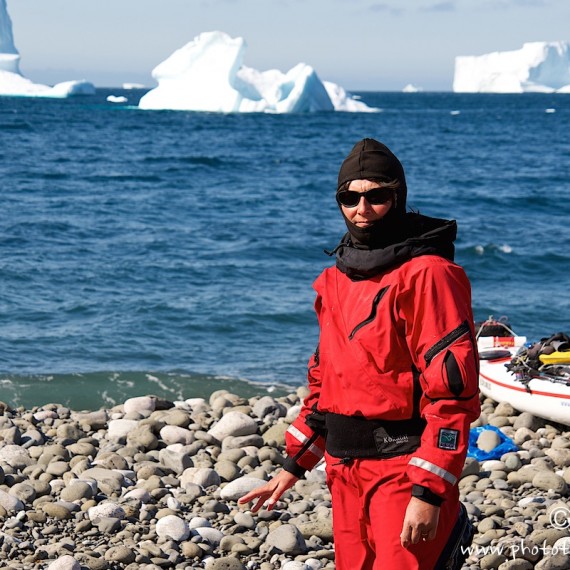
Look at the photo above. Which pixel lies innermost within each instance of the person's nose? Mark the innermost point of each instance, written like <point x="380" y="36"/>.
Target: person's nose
<point x="363" y="205"/>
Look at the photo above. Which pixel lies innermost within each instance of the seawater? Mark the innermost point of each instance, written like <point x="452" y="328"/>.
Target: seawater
<point x="173" y="253"/>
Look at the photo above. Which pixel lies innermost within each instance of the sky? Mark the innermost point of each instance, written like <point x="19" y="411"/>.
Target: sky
<point x="363" y="45"/>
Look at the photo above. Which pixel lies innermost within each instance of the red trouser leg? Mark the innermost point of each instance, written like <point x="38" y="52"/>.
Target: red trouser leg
<point x="370" y="497"/>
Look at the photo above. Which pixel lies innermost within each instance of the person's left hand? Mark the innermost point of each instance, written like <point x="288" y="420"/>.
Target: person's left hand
<point x="420" y="522"/>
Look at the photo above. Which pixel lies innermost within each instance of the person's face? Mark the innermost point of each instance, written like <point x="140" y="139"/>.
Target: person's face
<point x="364" y="214"/>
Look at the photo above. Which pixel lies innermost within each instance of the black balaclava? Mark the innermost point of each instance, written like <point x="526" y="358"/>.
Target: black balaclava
<point x="370" y="159"/>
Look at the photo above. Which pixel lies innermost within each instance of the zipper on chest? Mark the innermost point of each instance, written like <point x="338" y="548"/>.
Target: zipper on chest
<point x="372" y="315"/>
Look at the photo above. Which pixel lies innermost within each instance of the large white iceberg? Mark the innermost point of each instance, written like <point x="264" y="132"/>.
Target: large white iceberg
<point x="542" y="67"/>
<point x="12" y="82"/>
<point x="208" y="74"/>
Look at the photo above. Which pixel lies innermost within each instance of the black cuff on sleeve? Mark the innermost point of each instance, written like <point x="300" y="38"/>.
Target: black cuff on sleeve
<point x="293" y="468"/>
<point x="424" y="494"/>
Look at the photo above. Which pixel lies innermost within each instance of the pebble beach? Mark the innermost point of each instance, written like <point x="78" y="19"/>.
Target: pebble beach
<point x="152" y="484"/>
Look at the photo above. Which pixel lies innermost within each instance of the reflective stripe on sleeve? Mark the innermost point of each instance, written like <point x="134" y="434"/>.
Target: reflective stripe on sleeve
<point x="300" y="436"/>
<point x="423" y="464"/>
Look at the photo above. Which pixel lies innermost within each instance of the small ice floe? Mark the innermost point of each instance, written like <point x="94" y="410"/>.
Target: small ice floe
<point x="117" y="99"/>
<point x="455" y="112"/>
<point x="410" y="88"/>
<point x="506" y="248"/>
<point x="550" y="110"/>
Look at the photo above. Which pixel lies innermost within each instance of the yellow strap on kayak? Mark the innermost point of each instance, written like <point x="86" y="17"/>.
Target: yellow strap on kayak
<point x="555" y="358"/>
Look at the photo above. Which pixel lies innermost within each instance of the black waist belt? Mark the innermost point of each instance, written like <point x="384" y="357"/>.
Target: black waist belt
<point x="355" y="436"/>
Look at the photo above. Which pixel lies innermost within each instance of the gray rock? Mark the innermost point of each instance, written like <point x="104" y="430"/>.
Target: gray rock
<point x="121" y="554"/>
<point x="77" y="491"/>
<point x="516" y="564"/>
<point x="56" y="510"/>
<point x="557" y="562"/>
<point x="549" y="481"/>
<point x="268" y="406"/>
<point x="276" y="434"/>
<point x="177" y="461"/>
<point x="10" y="503"/>
<point x="527" y="420"/>
<point x="233" y="424"/>
<point x="224" y="563"/>
<point x="547" y="536"/>
<point x="95" y="420"/>
<point x="23" y="491"/>
<point x="227" y="470"/>
<point x="239" y="487"/>
<point x="561" y="457"/>
<point x="322" y="528"/>
<point x="492" y="561"/>
<point x="237" y="442"/>
<point x="286" y="539"/>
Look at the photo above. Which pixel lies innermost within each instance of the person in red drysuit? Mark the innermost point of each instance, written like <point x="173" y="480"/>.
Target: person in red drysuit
<point x="394" y="380"/>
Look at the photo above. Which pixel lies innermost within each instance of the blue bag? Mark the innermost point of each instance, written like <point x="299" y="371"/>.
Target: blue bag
<point x="505" y="446"/>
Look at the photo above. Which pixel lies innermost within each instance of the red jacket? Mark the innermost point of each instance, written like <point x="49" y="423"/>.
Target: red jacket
<point x="376" y="335"/>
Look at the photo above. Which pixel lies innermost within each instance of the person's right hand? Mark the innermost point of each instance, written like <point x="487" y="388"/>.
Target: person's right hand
<point x="272" y="490"/>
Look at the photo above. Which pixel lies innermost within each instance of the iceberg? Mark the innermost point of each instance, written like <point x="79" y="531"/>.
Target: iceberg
<point x="12" y="82"/>
<point x="539" y="67"/>
<point x="207" y="74"/>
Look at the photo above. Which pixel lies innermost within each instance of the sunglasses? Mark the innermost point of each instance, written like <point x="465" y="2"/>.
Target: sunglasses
<point x="374" y="197"/>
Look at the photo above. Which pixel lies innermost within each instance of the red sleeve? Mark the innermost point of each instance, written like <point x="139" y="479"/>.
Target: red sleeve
<point x="304" y="441"/>
<point x="440" y="335"/>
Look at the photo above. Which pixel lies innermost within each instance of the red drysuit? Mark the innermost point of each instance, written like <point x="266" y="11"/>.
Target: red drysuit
<point x="396" y="348"/>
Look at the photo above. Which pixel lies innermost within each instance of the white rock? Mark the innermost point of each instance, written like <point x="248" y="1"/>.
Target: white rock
<point x="493" y="465"/>
<point x="198" y="522"/>
<point x="120" y="428"/>
<point x="15" y="456"/>
<point x="292" y="413"/>
<point x="295" y="565"/>
<point x="173" y="504"/>
<point x="65" y="562"/>
<point x="140" y="405"/>
<point x="138" y="494"/>
<point x="11" y="503"/>
<point x="526" y="501"/>
<point x="43" y="415"/>
<point x="175" y="434"/>
<point x="106" y="510"/>
<point x="212" y="535"/>
<point x="203" y="476"/>
<point x="239" y="487"/>
<point x="172" y="527"/>
<point x="233" y="424"/>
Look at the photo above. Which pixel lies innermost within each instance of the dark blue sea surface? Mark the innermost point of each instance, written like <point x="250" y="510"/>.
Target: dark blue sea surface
<point x="173" y="253"/>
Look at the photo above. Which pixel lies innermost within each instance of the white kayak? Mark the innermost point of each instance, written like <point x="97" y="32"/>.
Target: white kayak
<point x="544" y="392"/>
